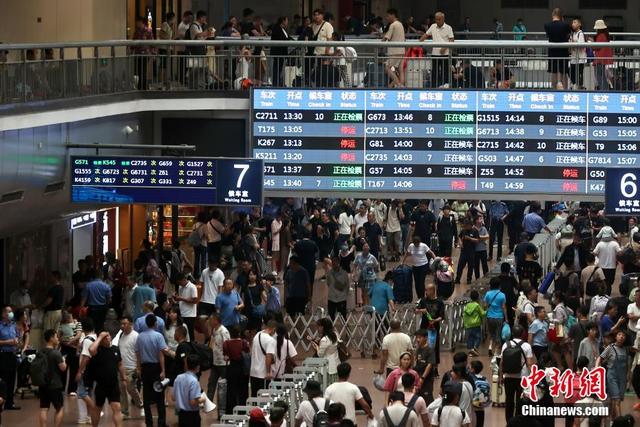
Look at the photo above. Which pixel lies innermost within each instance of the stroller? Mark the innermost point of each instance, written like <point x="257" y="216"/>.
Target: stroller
<point x="23" y="381"/>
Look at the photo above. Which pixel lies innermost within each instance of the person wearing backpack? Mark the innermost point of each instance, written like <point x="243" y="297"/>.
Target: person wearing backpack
<point x="46" y="370"/>
<point x="481" y="393"/>
<point x="589" y="278"/>
<point x="84" y="377"/>
<point x="396" y="414"/>
<point x="450" y="414"/>
<point x="263" y="350"/>
<point x="111" y="371"/>
<point x="313" y="411"/>
<point x="413" y="400"/>
<point x="515" y="363"/>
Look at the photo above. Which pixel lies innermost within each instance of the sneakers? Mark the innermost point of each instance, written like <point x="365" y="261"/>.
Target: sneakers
<point x="86" y="420"/>
<point x="474" y="353"/>
<point x="73" y="394"/>
<point x="142" y="413"/>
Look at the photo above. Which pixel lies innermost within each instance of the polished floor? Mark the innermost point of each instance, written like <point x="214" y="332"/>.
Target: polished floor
<point x="362" y="375"/>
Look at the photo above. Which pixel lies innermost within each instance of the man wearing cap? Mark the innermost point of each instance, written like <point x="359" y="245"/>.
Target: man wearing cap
<point x="396" y="412"/>
<point x="187" y="394"/>
<point x="308" y="408"/>
<point x="450" y="414"/>
<point x="447" y="231"/>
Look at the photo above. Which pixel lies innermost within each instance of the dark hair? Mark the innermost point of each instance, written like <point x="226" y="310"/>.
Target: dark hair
<point x="182" y="330"/>
<point x="169" y="16"/>
<point x="150" y="320"/>
<point x="281" y="20"/>
<point x="538" y="309"/>
<point x="179" y="322"/>
<point x="460" y="369"/>
<point x="318" y="10"/>
<point x="179" y="277"/>
<point x="87" y="325"/>
<point x="393" y="12"/>
<point x="516" y="331"/>
<point x="584" y="310"/>
<point x="494" y="283"/>
<point x="185" y="14"/>
<point x="200" y="14"/>
<point x="193" y="361"/>
<point x="395" y="396"/>
<point x="581" y="363"/>
<point x="474" y="295"/>
<point x="559" y="296"/>
<point x="336" y="411"/>
<point x="344" y="370"/>
<point x="56" y="275"/>
<point x="476" y="366"/>
<point x="624" y="421"/>
<point x="505" y="267"/>
<point x="283" y="334"/>
<point x="327" y="328"/>
<point x="127" y="317"/>
<point x="247" y="11"/>
<point x="48" y="334"/>
<point x="234" y="331"/>
<point x="460" y="357"/>
<point x="591" y="325"/>
<point x="408" y="380"/>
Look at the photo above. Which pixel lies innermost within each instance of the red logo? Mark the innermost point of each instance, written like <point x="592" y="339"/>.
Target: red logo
<point x="588" y="382"/>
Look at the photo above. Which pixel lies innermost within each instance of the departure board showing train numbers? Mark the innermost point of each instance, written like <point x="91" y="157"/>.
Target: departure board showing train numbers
<point x="443" y="140"/>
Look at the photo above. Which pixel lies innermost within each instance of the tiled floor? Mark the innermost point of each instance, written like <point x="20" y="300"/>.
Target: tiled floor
<point x="362" y="375"/>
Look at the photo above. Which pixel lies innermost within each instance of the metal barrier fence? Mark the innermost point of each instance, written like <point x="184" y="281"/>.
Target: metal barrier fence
<point x="34" y="72"/>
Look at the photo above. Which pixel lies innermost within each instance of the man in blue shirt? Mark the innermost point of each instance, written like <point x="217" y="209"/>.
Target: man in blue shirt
<point x="498" y="211"/>
<point x="229" y="304"/>
<point x="150" y="351"/>
<point x="496" y="314"/>
<point x="381" y="295"/>
<point x="533" y="222"/>
<point x="273" y="295"/>
<point x="8" y="362"/>
<point x="141" y="324"/>
<point x="97" y="296"/>
<point x="188" y="395"/>
<point x="143" y="292"/>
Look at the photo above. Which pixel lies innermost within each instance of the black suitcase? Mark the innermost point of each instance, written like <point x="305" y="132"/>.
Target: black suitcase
<point x="433" y="245"/>
<point x="375" y="75"/>
<point x="403" y="284"/>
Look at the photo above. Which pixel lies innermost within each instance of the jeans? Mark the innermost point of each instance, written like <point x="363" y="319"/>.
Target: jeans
<point x="337" y="307"/>
<point x="151" y="374"/>
<point x="474" y="337"/>
<point x="129" y="387"/>
<point x="512" y="400"/>
<point x="419" y="277"/>
<point x="481" y="259"/>
<point x="405" y="233"/>
<point x="602" y="82"/>
<point x="200" y="260"/>
<point x="496" y="230"/>
<point x="217" y="372"/>
<point x="466" y="259"/>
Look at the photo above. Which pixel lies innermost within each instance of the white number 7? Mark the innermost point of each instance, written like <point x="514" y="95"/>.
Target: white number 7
<point x="244" y="168"/>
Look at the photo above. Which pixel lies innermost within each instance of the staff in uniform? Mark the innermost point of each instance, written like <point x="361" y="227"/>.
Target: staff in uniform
<point x="187" y="394"/>
<point x="8" y="362"/>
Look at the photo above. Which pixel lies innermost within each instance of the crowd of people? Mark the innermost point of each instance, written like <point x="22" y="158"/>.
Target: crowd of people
<point x="119" y="335"/>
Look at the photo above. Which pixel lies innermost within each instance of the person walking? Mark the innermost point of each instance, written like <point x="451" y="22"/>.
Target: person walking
<point x="394" y="344"/>
<point x="496" y="314"/>
<point x="8" y="362"/>
<point x="51" y="393"/>
<point x="127" y="346"/>
<point x="420" y="254"/>
<point x="187" y="394"/>
<point x="235" y="350"/>
<point x="481" y="247"/>
<point x="439" y="32"/>
<point x="54" y="302"/>
<point x="107" y="369"/>
<point x="447" y="230"/>
<point x="263" y="350"/>
<point x="327" y="346"/>
<point x="498" y="212"/>
<point x="468" y="238"/>
<point x="347" y="393"/>
<point x="187" y="297"/>
<point x="219" y="334"/>
<point x="515" y="364"/>
<point x="97" y="297"/>
<point x="338" y="289"/>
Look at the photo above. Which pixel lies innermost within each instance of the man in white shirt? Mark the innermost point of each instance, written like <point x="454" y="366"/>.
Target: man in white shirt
<point x="607" y="250"/>
<point x="306" y="410"/>
<point x="511" y="380"/>
<point x="219" y="334"/>
<point x="263" y="350"/>
<point x="345" y="225"/>
<point x="211" y="281"/>
<point x="396" y="413"/>
<point x="21" y="297"/>
<point x="439" y="33"/>
<point x="85" y="402"/>
<point x="450" y="414"/>
<point x="379" y="210"/>
<point x="322" y="31"/>
<point x="394" y="344"/>
<point x="361" y="217"/>
<point x="127" y="345"/>
<point x="187" y="298"/>
<point x="633" y="313"/>
<point x="347" y="393"/>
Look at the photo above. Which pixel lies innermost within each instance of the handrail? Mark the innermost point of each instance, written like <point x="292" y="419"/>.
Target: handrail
<point x="490" y="44"/>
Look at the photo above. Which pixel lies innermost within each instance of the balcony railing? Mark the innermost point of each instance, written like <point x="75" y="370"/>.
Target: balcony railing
<point x="36" y="72"/>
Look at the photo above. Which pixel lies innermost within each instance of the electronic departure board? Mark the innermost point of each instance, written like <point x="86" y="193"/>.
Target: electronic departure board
<point x="166" y="180"/>
<point x="443" y="140"/>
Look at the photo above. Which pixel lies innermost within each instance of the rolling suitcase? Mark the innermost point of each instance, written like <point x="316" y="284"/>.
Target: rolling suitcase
<point x="402" y="284"/>
<point x="546" y="282"/>
<point x="497" y="392"/>
<point x="433" y="245"/>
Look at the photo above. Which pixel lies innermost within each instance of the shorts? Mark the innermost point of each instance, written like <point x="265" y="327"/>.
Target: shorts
<point x="83" y="389"/>
<point x="51" y="397"/>
<point x="559" y="65"/>
<point x="206" y="309"/>
<point x="394" y="62"/>
<point x="107" y="391"/>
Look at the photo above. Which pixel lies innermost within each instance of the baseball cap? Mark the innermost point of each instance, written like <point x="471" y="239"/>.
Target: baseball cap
<point x="256" y="414"/>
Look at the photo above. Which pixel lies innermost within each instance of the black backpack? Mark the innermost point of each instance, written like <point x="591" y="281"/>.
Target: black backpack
<point x="403" y="421"/>
<point x="321" y="417"/>
<point x="204" y="353"/>
<point x="511" y="361"/>
<point x="39" y="369"/>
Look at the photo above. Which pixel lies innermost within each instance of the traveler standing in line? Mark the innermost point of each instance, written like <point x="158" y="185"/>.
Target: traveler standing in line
<point x="481" y="247"/>
<point x="96" y="296"/>
<point x="327" y="346"/>
<point x="394" y="344"/>
<point x="54" y="302"/>
<point x="127" y="346"/>
<point x="420" y="254"/>
<point x="338" y="289"/>
<point x="219" y="334"/>
<point x="347" y="393"/>
<point x="468" y="238"/>
<point x="439" y="32"/>
<point x="52" y="392"/>
<point x="263" y="350"/>
<point x="188" y="395"/>
<point x="498" y="212"/>
<point x="447" y="231"/>
<point x="150" y="351"/>
<point x="515" y="364"/>
<point x="107" y="370"/>
<point x="187" y="298"/>
<point x="297" y="284"/>
<point x="233" y="349"/>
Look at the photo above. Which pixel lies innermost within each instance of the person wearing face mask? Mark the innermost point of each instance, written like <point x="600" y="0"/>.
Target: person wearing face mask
<point x="8" y="362"/>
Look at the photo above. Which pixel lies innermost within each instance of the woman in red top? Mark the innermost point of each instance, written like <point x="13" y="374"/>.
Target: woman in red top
<point x="603" y="56"/>
<point x="235" y="350"/>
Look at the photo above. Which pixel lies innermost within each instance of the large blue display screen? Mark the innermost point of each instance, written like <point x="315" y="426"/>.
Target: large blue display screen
<point x="443" y="140"/>
<point x="166" y="180"/>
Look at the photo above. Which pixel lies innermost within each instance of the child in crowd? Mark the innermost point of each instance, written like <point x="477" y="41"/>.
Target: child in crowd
<point x="472" y="317"/>
<point x="481" y="393"/>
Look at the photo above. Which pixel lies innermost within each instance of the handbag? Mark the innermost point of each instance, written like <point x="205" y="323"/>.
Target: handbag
<point x="343" y="351"/>
<point x="289" y="363"/>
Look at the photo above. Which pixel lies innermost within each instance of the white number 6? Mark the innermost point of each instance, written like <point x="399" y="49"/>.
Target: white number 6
<point x="628" y="181"/>
<point x="245" y="168"/>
